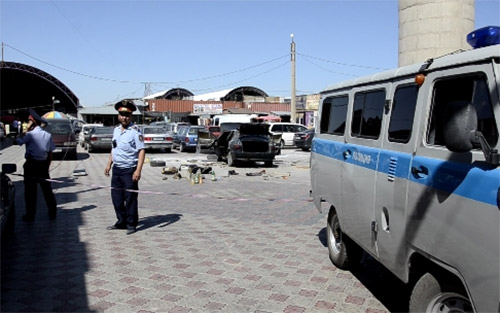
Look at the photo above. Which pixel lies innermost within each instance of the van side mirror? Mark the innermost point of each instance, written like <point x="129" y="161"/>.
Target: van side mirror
<point x="460" y="131"/>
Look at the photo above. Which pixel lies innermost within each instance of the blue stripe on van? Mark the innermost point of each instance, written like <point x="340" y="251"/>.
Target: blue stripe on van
<point x="479" y="182"/>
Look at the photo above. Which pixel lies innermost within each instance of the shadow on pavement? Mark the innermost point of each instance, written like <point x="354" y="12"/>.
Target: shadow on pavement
<point x="158" y="220"/>
<point x="385" y="286"/>
<point x="43" y="263"/>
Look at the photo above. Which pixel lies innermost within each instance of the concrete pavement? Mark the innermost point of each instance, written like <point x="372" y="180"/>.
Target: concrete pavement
<point x="240" y="244"/>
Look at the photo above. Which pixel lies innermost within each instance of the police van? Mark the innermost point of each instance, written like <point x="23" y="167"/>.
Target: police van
<point x="406" y="161"/>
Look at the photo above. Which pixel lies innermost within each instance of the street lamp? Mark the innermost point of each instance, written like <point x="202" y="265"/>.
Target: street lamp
<point x="54" y="102"/>
<point x="293" y="97"/>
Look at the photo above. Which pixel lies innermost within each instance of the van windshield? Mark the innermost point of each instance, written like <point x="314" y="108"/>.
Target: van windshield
<point x="59" y="127"/>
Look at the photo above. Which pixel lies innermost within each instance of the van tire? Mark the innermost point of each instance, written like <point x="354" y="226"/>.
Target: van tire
<point x="429" y="295"/>
<point x="344" y="253"/>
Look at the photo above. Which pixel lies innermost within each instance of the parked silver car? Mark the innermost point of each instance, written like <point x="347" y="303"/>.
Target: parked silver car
<point x="156" y="137"/>
<point x="100" y="138"/>
<point x="84" y="135"/>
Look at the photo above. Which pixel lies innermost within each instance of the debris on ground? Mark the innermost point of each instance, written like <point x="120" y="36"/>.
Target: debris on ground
<point x="80" y="172"/>
<point x="256" y="173"/>
<point x="169" y="170"/>
<point x="157" y="163"/>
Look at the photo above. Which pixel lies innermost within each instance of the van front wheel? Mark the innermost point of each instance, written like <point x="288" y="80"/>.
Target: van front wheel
<point x="429" y="295"/>
<point x="344" y="252"/>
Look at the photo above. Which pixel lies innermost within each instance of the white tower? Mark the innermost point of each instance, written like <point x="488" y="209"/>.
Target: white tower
<point x="431" y="28"/>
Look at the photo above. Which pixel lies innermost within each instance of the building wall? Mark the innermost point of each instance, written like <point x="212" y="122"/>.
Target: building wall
<point x="164" y="105"/>
<point x="431" y="28"/>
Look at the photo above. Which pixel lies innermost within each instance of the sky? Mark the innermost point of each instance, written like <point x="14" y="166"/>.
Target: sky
<point x="105" y="51"/>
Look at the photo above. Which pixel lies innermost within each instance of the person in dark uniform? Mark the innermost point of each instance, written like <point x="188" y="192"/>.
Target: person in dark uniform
<point x="39" y="147"/>
<point x="126" y="159"/>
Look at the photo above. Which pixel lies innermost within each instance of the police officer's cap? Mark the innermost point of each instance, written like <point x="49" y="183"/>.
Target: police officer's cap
<point x="125" y="106"/>
<point x="35" y="117"/>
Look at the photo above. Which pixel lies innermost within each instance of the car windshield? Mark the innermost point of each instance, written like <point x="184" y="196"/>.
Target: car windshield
<point x="103" y="130"/>
<point x="153" y="130"/>
<point x="193" y="131"/>
<point x="59" y="127"/>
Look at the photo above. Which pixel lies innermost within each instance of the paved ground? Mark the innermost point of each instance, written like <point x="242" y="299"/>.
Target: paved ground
<point x="239" y="244"/>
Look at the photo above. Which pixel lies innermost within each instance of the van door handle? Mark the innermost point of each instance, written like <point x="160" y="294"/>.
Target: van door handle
<point x="347" y="154"/>
<point x="419" y="172"/>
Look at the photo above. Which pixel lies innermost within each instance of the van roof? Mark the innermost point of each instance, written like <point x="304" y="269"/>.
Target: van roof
<point x="449" y="60"/>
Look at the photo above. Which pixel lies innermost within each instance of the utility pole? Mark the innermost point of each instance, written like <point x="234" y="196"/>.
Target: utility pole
<point x="293" y="96"/>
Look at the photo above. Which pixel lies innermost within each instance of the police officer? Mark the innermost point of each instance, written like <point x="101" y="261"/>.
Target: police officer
<point x="39" y="147"/>
<point x="126" y="158"/>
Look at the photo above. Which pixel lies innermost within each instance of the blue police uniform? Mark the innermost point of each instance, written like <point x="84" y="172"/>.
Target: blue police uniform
<point x="125" y="153"/>
<point x="36" y="171"/>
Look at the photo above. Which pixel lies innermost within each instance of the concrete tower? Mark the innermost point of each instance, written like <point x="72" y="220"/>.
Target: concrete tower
<point x="431" y="28"/>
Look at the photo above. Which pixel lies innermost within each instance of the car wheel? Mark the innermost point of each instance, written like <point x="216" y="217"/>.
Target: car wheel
<point x="181" y="148"/>
<point x="168" y="150"/>
<point x="89" y="148"/>
<point x="282" y="144"/>
<point x="429" y="295"/>
<point x="268" y="163"/>
<point x="305" y="149"/>
<point x="343" y="252"/>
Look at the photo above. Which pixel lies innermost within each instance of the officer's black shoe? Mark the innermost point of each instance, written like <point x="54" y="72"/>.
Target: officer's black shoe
<point x="28" y="218"/>
<point x="113" y="227"/>
<point x="52" y="217"/>
<point x="130" y="231"/>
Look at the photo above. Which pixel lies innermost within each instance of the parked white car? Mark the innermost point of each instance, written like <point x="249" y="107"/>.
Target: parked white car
<point x="287" y="131"/>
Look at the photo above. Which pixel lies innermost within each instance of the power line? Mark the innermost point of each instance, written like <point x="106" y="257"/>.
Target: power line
<point x="339" y="63"/>
<point x="151" y="82"/>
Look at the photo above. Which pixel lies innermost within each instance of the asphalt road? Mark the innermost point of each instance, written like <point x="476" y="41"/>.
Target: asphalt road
<point x="243" y="243"/>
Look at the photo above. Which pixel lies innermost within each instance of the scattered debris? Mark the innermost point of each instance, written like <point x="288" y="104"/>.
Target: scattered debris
<point x="157" y="163"/>
<point x="177" y="176"/>
<point x="256" y="173"/>
<point x="169" y="170"/>
<point x="80" y="172"/>
<point x="232" y="172"/>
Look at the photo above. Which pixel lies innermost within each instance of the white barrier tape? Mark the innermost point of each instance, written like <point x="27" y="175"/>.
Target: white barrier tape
<point x="172" y="193"/>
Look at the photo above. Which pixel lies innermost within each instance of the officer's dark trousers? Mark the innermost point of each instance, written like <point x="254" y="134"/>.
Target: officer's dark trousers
<point x="125" y="202"/>
<point x="36" y="172"/>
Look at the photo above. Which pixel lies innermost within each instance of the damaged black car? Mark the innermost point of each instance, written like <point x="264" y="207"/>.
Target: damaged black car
<point x="246" y="142"/>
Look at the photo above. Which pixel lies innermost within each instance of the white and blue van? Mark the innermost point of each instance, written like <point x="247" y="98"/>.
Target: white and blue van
<point x="407" y="163"/>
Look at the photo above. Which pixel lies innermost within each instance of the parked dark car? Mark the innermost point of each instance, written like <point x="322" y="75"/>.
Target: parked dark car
<point x="7" y="202"/>
<point x="187" y="137"/>
<point x="100" y="138"/>
<point x="63" y="136"/>
<point x="303" y="140"/>
<point x="246" y="142"/>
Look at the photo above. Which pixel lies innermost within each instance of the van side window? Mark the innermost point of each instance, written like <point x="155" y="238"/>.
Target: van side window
<point x="474" y="89"/>
<point x="367" y="114"/>
<point x="334" y="114"/>
<point x="403" y="111"/>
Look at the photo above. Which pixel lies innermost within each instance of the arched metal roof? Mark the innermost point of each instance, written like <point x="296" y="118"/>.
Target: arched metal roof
<point x="177" y="94"/>
<point x="23" y="86"/>
<point x="237" y="94"/>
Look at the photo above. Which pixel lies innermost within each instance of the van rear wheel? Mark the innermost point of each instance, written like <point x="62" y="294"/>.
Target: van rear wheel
<point x="429" y="295"/>
<point x="344" y="252"/>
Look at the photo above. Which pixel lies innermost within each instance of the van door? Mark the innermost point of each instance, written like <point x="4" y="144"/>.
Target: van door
<point x="400" y="137"/>
<point x="359" y="167"/>
<point x="453" y="210"/>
